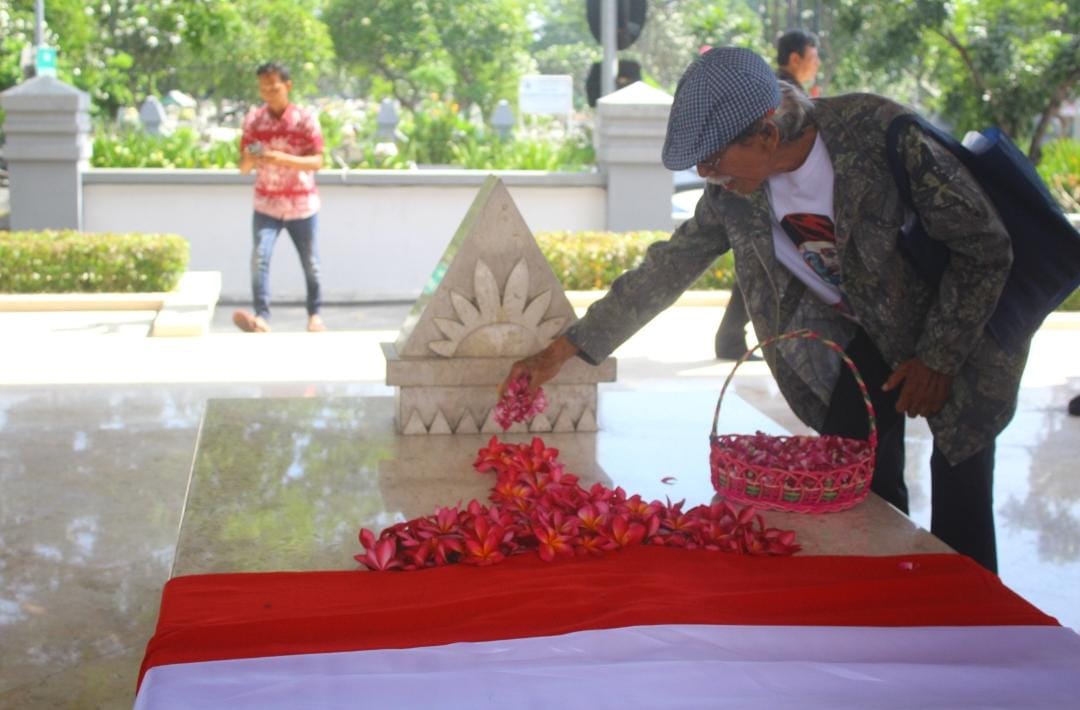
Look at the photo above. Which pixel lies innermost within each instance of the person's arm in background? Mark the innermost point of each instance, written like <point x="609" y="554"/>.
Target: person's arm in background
<point x="288" y="160"/>
<point x="311" y="154"/>
<point x="668" y="269"/>
<point x="310" y="159"/>
<point x="954" y="210"/>
<point x="247" y="160"/>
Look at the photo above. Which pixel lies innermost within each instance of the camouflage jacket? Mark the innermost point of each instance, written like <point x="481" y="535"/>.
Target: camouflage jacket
<point x="902" y="314"/>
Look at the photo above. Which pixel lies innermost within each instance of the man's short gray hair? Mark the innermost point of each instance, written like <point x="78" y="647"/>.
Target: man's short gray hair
<point x="792" y="117"/>
<point x="794" y="114"/>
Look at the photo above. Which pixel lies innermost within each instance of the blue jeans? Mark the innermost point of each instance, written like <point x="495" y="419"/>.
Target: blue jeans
<point x="302" y="232"/>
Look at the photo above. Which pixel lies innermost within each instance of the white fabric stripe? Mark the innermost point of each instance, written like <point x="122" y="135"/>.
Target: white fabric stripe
<point x="685" y="666"/>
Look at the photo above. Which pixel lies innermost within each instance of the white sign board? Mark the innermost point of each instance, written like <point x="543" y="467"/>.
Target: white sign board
<point x="546" y="94"/>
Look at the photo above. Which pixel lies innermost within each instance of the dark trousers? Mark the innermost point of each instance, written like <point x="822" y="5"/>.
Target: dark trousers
<point x="962" y="502"/>
<point x="731" y="335"/>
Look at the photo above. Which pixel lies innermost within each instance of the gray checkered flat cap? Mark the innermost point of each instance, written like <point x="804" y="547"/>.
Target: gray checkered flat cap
<point x="718" y="97"/>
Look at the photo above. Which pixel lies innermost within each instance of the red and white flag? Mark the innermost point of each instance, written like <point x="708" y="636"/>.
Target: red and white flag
<point x="647" y="627"/>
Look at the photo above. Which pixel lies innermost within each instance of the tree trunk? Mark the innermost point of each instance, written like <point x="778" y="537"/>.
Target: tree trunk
<point x="1035" y="147"/>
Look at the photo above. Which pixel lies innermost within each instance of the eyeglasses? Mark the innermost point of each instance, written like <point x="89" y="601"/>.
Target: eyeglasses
<point x="712" y="162"/>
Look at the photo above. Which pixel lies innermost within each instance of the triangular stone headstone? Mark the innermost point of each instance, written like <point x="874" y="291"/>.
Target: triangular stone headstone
<point x="493" y="294"/>
<point x="492" y="299"/>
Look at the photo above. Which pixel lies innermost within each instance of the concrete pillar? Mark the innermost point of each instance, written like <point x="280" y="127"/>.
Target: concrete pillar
<point x="48" y="146"/>
<point x="631" y="124"/>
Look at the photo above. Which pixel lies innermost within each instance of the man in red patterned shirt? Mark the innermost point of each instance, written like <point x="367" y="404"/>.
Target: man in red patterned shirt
<point x="283" y="144"/>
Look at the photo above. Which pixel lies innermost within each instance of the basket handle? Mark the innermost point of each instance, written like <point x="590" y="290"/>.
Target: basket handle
<point x="806" y="335"/>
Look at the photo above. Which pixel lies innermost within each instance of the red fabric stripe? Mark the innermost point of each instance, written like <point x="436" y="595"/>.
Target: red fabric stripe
<point x="221" y="616"/>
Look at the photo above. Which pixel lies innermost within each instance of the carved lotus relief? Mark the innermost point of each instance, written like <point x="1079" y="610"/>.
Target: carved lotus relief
<point x="494" y="323"/>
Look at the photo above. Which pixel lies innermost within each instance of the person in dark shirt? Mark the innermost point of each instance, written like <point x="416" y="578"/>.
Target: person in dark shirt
<point x="798" y="61"/>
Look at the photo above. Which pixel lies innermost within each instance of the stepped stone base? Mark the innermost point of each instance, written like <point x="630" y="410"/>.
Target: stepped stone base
<point x="464" y="399"/>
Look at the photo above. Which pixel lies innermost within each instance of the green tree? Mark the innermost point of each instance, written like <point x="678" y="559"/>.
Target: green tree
<point x="289" y="31"/>
<point x="674" y="32"/>
<point x="16" y="32"/>
<point x="562" y="43"/>
<point x="975" y="62"/>
<point x="71" y="26"/>
<point x="211" y="47"/>
<point x="487" y="45"/>
<point x="121" y="51"/>
<point x="472" y="52"/>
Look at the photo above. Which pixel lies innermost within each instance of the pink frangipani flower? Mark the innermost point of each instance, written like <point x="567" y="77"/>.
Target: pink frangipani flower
<point x="518" y="404"/>
<point x="536" y="504"/>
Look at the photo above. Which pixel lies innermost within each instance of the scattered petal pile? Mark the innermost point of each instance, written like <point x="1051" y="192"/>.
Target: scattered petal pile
<point x="517" y="405"/>
<point x="795" y="453"/>
<point x="537" y="505"/>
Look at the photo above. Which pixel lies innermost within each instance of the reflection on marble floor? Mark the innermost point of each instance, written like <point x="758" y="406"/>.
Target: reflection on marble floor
<point x="92" y="481"/>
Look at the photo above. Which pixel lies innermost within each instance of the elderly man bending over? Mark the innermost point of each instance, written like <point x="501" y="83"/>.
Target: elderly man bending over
<point x="801" y="191"/>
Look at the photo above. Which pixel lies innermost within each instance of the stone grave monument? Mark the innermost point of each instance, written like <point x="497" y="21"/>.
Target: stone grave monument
<point x="491" y="300"/>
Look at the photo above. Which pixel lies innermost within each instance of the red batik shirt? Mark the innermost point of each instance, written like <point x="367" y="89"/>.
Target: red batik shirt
<point x="284" y="193"/>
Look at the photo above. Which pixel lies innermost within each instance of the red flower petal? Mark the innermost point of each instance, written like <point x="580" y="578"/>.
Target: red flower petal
<point x="537" y="505"/>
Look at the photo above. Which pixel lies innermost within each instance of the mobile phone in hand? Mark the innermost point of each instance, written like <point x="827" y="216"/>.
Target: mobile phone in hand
<point x="255" y="148"/>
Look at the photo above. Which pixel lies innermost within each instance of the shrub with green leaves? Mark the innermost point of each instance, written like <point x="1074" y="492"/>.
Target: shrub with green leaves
<point x="1060" y="169"/>
<point x="184" y="148"/>
<point x="585" y="261"/>
<point x="432" y="131"/>
<point x="524" y="154"/>
<point x="436" y="134"/>
<point x="592" y="260"/>
<point x="1072" y="303"/>
<point x="67" y="261"/>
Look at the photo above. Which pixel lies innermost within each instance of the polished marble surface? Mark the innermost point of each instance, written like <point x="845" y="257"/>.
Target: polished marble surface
<point x="97" y="434"/>
<point x="92" y="485"/>
<point x="286" y="484"/>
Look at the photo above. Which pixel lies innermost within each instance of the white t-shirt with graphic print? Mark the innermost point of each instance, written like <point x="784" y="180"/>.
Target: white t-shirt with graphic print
<point x="804" y="235"/>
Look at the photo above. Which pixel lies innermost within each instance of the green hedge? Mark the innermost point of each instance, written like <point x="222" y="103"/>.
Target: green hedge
<point x="592" y="260"/>
<point x="183" y="148"/>
<point x="1072" y="303"/>
<point x="585" y="261"/>
<point x="1060" y="168"/>
<point x="78" y="262"/>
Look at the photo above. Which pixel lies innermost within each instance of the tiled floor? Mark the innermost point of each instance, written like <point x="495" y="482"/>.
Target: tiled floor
<point x="98" y="426"/>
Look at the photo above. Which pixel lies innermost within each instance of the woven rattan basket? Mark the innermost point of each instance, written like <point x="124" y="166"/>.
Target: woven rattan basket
<point x="800" y="491"/>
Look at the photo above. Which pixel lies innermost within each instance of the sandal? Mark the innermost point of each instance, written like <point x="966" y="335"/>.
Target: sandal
<point x="249" y="322"/>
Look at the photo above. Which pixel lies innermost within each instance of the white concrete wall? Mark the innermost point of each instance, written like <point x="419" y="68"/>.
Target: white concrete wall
<point x="380" y="233"/>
